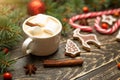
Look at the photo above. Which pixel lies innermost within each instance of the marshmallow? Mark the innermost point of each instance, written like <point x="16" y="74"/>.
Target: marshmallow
<point x="34" y="31"/>
<point x="39" y="20"/>
<point x="51" y="27"/>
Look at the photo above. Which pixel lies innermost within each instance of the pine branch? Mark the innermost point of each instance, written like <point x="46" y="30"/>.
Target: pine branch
<point x="5" y="61"/>
<point x="10" y="34"/>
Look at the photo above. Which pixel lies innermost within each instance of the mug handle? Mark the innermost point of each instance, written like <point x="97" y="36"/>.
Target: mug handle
<point x="25" y="45"/>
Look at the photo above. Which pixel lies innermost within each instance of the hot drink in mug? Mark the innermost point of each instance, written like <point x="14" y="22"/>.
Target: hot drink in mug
<point x="43" y="33"/>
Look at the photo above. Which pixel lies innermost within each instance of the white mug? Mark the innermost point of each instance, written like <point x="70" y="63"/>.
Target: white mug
<point x="41" y="46"/>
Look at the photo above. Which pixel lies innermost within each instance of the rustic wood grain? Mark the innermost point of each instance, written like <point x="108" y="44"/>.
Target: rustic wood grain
<point x="92" y="60"/>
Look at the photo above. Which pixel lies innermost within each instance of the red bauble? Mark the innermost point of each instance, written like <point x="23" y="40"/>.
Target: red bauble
<point x="118" y="65"/>
<point x="36" y="7"/>
<point x="104" y="25"/>
<point x="7" y="76"/>
<point x="85" y="9"/>
<point x="5" y="50"/>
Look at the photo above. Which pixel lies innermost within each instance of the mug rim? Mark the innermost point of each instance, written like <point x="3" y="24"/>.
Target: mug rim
<point x="60" y="25"/>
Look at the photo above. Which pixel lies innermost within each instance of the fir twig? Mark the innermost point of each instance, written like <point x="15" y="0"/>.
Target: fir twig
<point x="5" y="61"/>
<point x="10" y="34"/>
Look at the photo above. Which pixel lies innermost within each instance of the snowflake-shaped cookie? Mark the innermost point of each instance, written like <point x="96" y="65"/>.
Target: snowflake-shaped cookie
<point x="108" y="19"/>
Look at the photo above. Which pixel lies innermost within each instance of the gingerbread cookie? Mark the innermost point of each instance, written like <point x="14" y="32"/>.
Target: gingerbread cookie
<point x="108" y="19"/>
<point x="72" y="49"/>
<point x="118" y="36"/>
<point x="85" y="39"/>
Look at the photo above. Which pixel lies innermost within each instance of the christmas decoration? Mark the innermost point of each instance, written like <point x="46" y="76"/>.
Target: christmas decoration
<point x="74" y="25"/>
<point x="89" y="15"/>
<point x="116" y="14"/>
<point x="5" y="50"/>
<point x="108" y="19"/>
<point x="54" y="8"/>
<point x="106" y="31"/>
<point x="85" y="9"/>
<point x="118" y="36"/>
<point x="68" y="9"/>
<point x="7" y="76"/>
<point x="72" y="49"/>
<point x="30" y="69"/>
<point x="118" y="65"/>
<point x="104" y="25"/>
<point x="36" y="7"/>
<point x="65" y="20"/>
<point x="5" y="61"/>
<point x="9" y="32"/>
<point x="85" y="39"/>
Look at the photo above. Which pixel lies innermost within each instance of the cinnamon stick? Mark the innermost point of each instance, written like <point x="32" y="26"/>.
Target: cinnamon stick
<point x="62" y="63"/>
<point x="31" y="24"/>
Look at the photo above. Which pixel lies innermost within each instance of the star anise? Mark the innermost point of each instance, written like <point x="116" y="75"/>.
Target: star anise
<point x="30" y="69"/>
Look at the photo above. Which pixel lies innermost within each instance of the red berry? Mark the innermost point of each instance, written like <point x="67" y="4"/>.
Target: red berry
<point x="118" y="65"/>
<point x="104" y="25"/>
<point x="85" y="9"/>
<point x="116" y="14"/>
<point x="7" y="76"/>
<point x="65" y="19"/>
<point x="5" y="50"/>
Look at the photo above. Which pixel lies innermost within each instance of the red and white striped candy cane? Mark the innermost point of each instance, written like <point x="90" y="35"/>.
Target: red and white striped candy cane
<point x="89" y="15"/>
<point x="106" y="31"/>
<point x="83" y="28"/>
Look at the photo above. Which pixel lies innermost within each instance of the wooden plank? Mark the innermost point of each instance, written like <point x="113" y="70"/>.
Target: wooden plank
<point x="92" y="60"/>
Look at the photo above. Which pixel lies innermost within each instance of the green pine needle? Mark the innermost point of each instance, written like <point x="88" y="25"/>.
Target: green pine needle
<point x="5" y="62"/>
<point x="10" y="34"/>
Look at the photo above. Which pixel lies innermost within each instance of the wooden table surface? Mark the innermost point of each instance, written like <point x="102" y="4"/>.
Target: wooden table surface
<point x="99" y="64"/>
